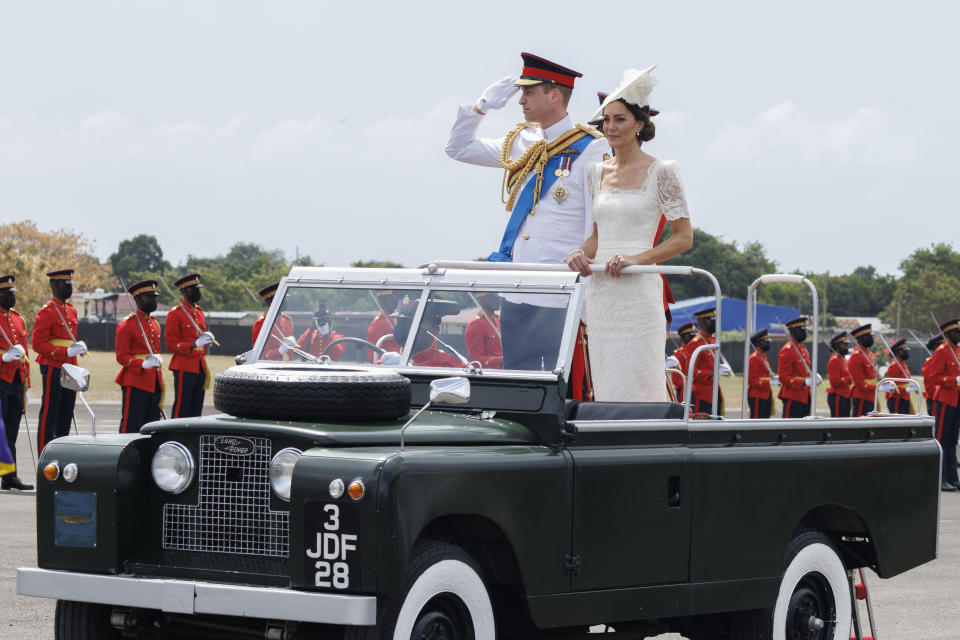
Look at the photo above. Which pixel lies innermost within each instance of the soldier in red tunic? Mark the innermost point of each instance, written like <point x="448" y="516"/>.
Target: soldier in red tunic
<point x="929" y="386"/>
<point x="678" y="359"/>
<point x="759" y="393"/>
<point x="55" y="341"/>
<point x="382" y="325"/>
<point x="482" y="334"/>
<point x="14" y="374"/>
<point x="703" y="374"/>
<point x="793" y="367"/>
<point x="944" y="372"/>
<point x="283" y="326"/>
<point x="863" y="370"/>
<point x="898" y="395"/>
<point x="841" y="382"/>
<point x="315" y="339"/>
<point x="427" y="352"/>
<point x="141" y="373"/>
<point x="187" y="339"/>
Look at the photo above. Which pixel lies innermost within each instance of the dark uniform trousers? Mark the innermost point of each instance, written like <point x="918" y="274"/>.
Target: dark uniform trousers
<point x="795" y="408"/>
<point x="56" y="411"/>
<point x="139" y="408"/>
<point x="947" y="427"/>
<point x="11" y="407"/>
<point x="705" y="406"/>
<point x="929" y="406"/>
<point x="898" y="405"/>
<point x="189" y="393"/>
<point x="761" y="407"/>
<point x="530" y="335"/>
<point x="861" y="407"/>
<point x="839" y="406"/>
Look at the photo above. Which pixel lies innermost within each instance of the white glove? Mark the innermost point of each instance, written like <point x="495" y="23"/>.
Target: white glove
<point x="886" y="387"/>
<point x="204" y="339"/>
<point x="391" y="358"/>
<point x="286" y="344"/>
<point x="496" y="95"/>
<point x="958" y="379"/>
<point x="76" y="349"/>
<point x="672" y="363"/>
<point x="775" y="381"/>
<point x="152" y="361"/>
<point x="724" y="369"/>
<point x="16" y="352"/>
<point x="819" y="380"/>
<point x="913" y="387"/>
<point x="324" y="329"/>
<point x="26" y="399"/>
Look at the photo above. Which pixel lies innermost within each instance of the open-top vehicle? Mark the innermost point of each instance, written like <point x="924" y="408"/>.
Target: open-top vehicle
<point x="339" y="497"/>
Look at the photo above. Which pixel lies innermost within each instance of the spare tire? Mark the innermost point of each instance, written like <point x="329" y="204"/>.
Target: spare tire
<point x="311" y="394"/>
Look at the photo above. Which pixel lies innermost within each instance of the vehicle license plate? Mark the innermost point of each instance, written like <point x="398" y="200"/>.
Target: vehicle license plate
<point x="332" y="544"/>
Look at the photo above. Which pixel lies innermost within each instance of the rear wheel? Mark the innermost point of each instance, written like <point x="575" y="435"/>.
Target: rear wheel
<point x="83" y="621"/>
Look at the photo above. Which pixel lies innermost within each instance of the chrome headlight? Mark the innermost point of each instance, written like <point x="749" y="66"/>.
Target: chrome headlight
<point x="281" y="471"/>
<point x="173" y="467"/>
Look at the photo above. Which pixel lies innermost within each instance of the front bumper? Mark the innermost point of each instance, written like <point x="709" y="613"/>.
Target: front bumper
<point x="185" y="596"/>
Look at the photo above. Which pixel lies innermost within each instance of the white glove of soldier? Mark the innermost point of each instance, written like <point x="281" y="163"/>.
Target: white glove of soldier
<point x="286" y="344"/>
<point x="76" y="349"/>
<point x="886" y="387"/>
<point x="724" y="369"/>
<point x="324" y="329"/>
<point x="672" y="363"/>
<point x="16" y="352"/>
<point x="958" y="379"/>
<point x="204" y="339"/>
<point x="496" y="95"/>
<point x="775" y="381"/>
<point x="819" y="380"/>
<point x="391" y="358"/>
<point x="913" y="387"/>
<point x="26" y="399"/>
<point x="151" y="362"/>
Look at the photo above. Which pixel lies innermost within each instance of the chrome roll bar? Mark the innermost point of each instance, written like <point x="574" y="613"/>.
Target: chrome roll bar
<point x="921" y="406"/>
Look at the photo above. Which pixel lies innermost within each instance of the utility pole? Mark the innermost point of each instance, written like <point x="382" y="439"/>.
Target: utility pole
<point x="899" y="303"/>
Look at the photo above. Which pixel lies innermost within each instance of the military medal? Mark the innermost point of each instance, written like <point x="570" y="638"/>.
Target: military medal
<point x="558" y="172"/>
<point x="560" y="193"/>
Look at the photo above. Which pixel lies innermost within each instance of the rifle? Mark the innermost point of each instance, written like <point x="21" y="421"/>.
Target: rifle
<point x="143" y="333"/>
<point x="189" y="315"/>
<point x="252" y="295"/>
<point x="922" y="343"/>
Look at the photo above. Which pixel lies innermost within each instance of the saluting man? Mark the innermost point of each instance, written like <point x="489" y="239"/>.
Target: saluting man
<point x="678" y="360"/>
<point x="863" y="370"/>
<point x="54" y="340"/>
<point x="945" y="373"/>
<point x="141" y="373"/>
<point x="793" y="367"/>
<point x="283" y="325"/>
<point x="187" y="339"/>
<point x="14" y="374"/>
<point x="841" y="382"/>
<point x="929" y="386"/>
<point x="703" y="374"/>
<point x="545" y="159"/>
<point x="759" y="392"/>
<point x="898" y="394"/>
<point x="482" y="333"/>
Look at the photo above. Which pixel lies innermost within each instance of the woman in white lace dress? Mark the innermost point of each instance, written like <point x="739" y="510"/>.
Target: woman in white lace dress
<point x="631" y="192"/>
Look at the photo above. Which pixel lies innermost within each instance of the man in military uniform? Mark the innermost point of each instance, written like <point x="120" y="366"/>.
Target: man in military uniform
<point x="863" y="370"/>
<point x="482" y="334"/>
<point x="547" y="193"/>
<point x="141" y="373"/>
<point x="898" y="394"/>
<point x="427" y="352"/>
<point x="703" y="372"/>
<point x="187" y="339"/>
<point x="283" y="325"/>
<point x="678" y="359"/>
<point x="14" y="374"/>
<point x="944" y="372"/>
<point x="55" y="341"/>
<point x="929" y="386"/>
<point x="793" y="367"/>
<point x="382" y="324"/>
<point x="315" y="339"/>
<point x="841" y="383"/>
<point x="759" y="393"/>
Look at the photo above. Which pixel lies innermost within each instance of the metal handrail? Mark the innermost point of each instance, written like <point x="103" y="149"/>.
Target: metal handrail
<point x="670" y="380"/>
<point x="789" y="278"/>
<point x="921" y="406"/>
<point x="688" y="385"/>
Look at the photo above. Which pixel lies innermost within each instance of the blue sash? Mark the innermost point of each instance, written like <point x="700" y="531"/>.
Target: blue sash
<point x="525" y="201"/>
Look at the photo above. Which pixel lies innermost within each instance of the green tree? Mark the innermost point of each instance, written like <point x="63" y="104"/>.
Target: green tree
<point x="140" y="253"/>
<point x="930" y="283"/>
<point x="377" y="264"/>
<point x="734" y="268"/>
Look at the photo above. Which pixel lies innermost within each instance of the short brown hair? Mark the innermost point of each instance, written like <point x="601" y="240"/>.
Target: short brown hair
<point x="565" y="92"/>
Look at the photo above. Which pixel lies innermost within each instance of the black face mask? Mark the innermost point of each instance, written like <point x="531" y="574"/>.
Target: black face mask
<point x="954" y="336"/>
<point x="192" y="294"/>
<point x="866" y="341"/>
<point x="709" y="325"/>
<point x="799" y="333"/>
<point x="148" y="304"/>
<point x="903" y="353"/>
<point x="764" y="345"/>
<point x="8" y="301"/>
<point x="842" y="348"/>
<point x="62" y="290"/>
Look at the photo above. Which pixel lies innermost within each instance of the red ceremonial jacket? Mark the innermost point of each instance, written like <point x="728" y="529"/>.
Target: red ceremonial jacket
<point x="703" y="375"/>
<point x="13" y="325"/>
<point x="863" y="370"/>
<point x="895" y="370"/>
<point x="792" y="372"/>
<point x="181" y="334"/>
<point x="282" y="327"/>
<point x="50" y="337"/>
<point x="841" y="382"/>
<point x="131" y="351"/>
<point x="379" y="327"/>
<point x="759" y="382"/>
<point x="433" y="357"/>
<point x="676" y="378"/>
<point x="483" y="343"/>
<point x="313" y="343"/>
<point x="929" y="386"/>
<point x="943" y="373"/>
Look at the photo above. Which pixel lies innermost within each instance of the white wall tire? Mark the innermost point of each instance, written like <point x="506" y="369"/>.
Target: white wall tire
<point x="814" y="585"/>
<point x="445" y="572"/>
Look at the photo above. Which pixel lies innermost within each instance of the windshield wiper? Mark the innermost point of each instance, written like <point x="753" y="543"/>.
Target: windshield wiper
<point x="472" y="367"/>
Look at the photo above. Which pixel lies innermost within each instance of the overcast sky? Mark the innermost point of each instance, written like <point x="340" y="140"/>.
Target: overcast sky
<point x="825" y="130"/>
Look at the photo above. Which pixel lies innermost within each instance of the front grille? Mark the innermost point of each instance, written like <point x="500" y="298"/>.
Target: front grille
<point x="232" y="514"/>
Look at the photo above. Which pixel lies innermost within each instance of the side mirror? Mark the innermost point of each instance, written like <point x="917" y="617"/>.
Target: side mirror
<point x="244" y="357"/>
<point x="74" y="378"/>
<point x="450" y="390"/>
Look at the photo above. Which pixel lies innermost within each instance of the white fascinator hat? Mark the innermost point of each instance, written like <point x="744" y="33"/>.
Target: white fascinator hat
<point x="635" y="88"/>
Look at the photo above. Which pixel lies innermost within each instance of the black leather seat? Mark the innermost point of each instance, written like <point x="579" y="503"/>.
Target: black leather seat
<point x="570" y="408"/>
<point x="626" y="411"/>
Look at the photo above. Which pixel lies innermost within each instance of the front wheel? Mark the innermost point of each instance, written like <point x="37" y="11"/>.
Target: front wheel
<point x="83" y="621"/>
<point x="444" y="598"/>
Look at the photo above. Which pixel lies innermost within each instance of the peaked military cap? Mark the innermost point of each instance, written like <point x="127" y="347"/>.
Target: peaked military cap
<point x="7" y="282"/>
<point x="934" y="341"/>
<point x="902" y="342"/>
<point x="862" y="330"/>
<point x="799" y="321"/>
<point x="269" y="291"/>
<point x="61" y="274"/>
<point x="188" y="281"/>
<point x="840" y="337"/>
<point x="686" y="328"/>
<point x="950" y="324"/>
<point x="145" y="286"/>
<point x="537" y="70"/>
<point x="759" y="335"/>
<point x="705" y="314"/>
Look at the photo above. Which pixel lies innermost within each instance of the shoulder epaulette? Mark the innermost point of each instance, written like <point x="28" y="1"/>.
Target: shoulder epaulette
<point x="787" y="346"/>
<point x="45" y="305"/>
<point x="129" y="316"/>
<point x="590" y="130"/>
<point x="15" y="312"/>
<point x="175" y="307"/>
